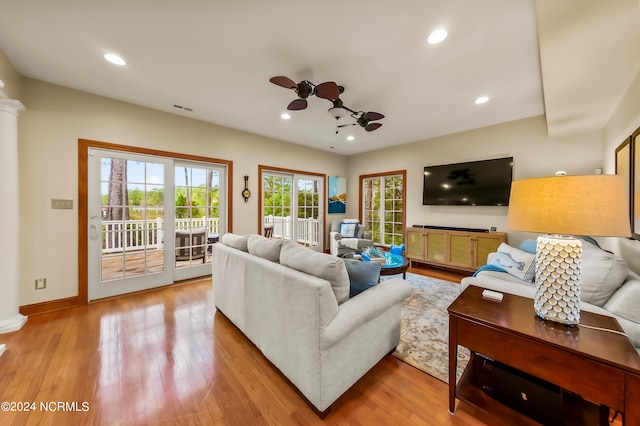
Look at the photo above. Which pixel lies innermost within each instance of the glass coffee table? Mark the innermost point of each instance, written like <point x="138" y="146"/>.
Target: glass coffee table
<point x="392" y="264"/>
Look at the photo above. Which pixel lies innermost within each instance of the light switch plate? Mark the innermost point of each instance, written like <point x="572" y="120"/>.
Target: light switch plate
<point x="57" y="203"/>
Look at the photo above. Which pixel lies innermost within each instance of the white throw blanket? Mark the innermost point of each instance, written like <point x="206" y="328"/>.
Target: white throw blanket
<point x="351" y="243"/>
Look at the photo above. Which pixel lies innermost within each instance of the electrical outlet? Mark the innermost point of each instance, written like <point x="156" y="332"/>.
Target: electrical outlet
<point x="57" y="203"/>
<point x="41" y="283"/>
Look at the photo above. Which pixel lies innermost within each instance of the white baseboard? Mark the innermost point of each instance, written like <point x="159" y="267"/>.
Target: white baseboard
<point x="12" y="324"/>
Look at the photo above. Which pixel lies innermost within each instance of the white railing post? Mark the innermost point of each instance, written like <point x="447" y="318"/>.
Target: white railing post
<point x="159" y="233"/>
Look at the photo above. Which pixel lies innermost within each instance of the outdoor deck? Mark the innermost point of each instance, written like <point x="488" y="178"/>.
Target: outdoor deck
<point x="134" y="264"/>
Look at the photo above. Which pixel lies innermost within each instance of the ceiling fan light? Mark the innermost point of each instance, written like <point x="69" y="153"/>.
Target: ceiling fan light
<point x="338" y="112"/>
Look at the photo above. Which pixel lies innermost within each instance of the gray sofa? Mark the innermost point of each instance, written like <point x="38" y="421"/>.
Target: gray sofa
<point x="293" y="304"/>
<point x="608" y="285"/>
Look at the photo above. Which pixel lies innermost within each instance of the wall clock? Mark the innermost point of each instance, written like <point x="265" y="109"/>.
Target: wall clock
<point x="245" y="192"/>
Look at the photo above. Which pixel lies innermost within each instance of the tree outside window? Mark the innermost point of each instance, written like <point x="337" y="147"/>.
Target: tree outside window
<point x="382" y="199"/>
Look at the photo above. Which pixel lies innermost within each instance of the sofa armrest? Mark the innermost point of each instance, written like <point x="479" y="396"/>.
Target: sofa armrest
<point x="362" y="308"/>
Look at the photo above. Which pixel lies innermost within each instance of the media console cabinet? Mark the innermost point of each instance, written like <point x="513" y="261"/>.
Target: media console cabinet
<point x="450" y="247"/>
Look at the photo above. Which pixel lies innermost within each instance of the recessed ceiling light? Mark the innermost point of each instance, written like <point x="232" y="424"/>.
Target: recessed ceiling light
<point x="437" y="36"/>
<point x="285" y="116"/>
<point x="481" y="100"/>
<point x="350" y="138"/>
<point x="114" y="59"/>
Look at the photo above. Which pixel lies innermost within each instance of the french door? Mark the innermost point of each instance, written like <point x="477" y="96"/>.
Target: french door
<point x="152" y="220"/>
<point x="293" y="204"/>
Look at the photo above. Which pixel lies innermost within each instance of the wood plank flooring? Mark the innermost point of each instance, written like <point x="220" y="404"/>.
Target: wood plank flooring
<point x="166" y="357"/>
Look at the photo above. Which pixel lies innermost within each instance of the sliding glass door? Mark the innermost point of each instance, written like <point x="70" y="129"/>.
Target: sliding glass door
<point x="152" y="220"/>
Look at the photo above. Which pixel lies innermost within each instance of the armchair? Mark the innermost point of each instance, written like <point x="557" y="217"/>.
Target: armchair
<point x="340" y="244"/>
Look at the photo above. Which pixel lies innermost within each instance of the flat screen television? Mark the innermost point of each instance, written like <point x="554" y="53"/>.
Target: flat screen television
<point x="476" y="183"/>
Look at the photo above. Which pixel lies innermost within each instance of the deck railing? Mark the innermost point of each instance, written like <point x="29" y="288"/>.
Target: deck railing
<point x="132" y="235"/>
<point x="307" y="230"/>
<point x="128" y="235"/>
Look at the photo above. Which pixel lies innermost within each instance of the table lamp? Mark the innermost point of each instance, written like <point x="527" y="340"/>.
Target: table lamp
<point x="561" y="207"/>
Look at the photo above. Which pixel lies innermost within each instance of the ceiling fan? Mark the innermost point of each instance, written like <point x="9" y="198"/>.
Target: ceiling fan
<point x="304" y="89"/>
<point x="330" y="91"/>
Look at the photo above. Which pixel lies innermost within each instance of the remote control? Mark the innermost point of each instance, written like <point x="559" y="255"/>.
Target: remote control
<point x="494" y="295"/>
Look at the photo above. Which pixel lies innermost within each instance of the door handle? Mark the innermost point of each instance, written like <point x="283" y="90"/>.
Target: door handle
<point x="93" y="232"/>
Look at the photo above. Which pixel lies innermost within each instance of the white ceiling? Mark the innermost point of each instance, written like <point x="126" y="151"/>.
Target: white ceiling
<point x="216" y="57"/>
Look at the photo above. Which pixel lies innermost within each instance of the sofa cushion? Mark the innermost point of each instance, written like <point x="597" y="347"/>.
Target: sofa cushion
<point x="236" y="241"/>
<point x="320" y="265"/>
<point x="602" y="273"/>
<point x="515" y="262"/>
<point x="267" y="248"/>
<point x="362" y="275"/>
<point x="626" y="300"/>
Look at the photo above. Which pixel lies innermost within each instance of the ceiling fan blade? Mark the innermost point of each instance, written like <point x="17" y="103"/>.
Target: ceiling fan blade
<point x="297" y="105"/>
<point x="349" y="124"/>
<point x="371" y="127"/>
<point x="283" y="81"/>
<point x="328" y="90"/>
<point x="372" y="116"/>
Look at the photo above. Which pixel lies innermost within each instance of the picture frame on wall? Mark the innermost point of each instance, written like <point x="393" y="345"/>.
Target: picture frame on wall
<point x="628" y="165"/>
<point x="634" y="189"/>
<point x="623" y="167"/>
<point x="337" y="194"/>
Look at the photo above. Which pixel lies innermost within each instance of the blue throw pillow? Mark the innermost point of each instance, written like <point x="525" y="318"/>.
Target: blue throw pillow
<point x="529" y="246"/>
<point x="348" y="230"/>
<point x="362" y="275"/>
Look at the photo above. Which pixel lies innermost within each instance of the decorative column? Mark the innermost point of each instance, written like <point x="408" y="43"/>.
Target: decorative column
<point x="10" y="317"/>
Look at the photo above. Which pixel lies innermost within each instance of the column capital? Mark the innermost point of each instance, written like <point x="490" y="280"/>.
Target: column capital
<point x="9" y="105"/>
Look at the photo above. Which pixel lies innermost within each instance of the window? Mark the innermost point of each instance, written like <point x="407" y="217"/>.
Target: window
<point x="382" y="203"/>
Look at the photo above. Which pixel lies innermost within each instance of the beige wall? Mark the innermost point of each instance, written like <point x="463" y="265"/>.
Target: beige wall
<point x="623" y="122"/>
<point x="49" y="129"/>
<point x="10" y="77"/>
<point x="535" y="154"/>
<point x="57" y="117"/>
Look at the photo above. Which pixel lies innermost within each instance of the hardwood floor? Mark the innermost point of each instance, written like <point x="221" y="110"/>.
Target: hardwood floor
<point x="167" y="357"/>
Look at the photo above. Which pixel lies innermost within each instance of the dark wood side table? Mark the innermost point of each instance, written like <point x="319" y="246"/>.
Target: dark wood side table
<point x="393" y="270"/>
<point x="601" y="366"/>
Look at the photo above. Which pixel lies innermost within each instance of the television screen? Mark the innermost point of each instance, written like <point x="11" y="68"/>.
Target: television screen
<point x="476" y="183"/>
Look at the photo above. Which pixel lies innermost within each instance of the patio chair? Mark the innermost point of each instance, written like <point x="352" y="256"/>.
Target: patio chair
<point x="191" y="244"/>
<point x="268" y="230"/>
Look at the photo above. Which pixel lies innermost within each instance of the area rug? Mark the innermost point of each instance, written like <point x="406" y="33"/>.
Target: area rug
<point x="424" y="335"/>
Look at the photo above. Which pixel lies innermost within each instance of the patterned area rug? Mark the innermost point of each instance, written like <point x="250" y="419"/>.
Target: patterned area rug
<point x="424" y="335"/>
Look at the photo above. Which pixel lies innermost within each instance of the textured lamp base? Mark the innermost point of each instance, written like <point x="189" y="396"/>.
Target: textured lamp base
<point x="558" y="263"/>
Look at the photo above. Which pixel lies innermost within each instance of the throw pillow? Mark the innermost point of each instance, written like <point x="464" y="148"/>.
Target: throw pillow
<point x="362" y="275"/>
<point x="515" y="262"/>
<point x="529" y="246"/>
<point x="602" y="274"/>
<point x="348" y="230"/>
<point x="321" y="265"/>
<point x="625" y="301"/>
<point x="236" y="241"/>
<point x="264" y="247"/>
